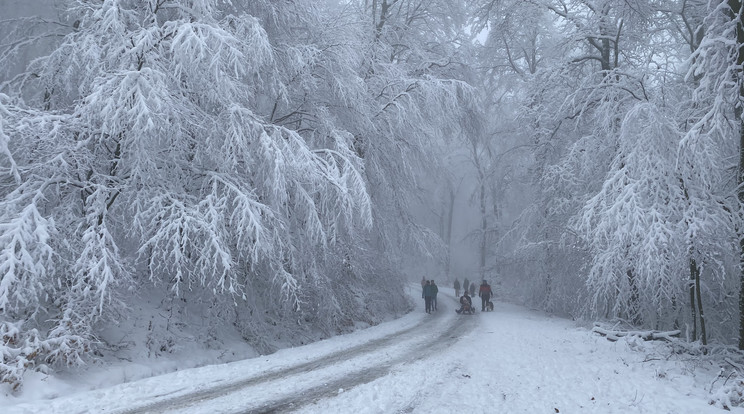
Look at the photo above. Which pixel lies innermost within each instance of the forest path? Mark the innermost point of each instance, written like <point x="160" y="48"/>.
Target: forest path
<point x="288" y="388"/>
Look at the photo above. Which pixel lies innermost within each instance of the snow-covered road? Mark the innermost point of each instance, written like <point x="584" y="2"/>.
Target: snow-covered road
<point x="521" y="361"/>
<point x="286" y="388"/>
<point x="511" y="360"/>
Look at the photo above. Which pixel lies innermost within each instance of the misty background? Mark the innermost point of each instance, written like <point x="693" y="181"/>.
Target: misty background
<point x="248" y="176"/>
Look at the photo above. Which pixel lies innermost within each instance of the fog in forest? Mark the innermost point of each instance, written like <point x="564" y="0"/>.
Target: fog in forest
<point x="283" y="171"/>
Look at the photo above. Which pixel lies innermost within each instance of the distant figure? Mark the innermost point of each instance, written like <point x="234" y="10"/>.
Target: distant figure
<point x="428" y="294"/>
<point x="466" y="304"/>
<point x="423" y="281"/>
<point x="457" y="288"/>
<point x="465" y="284"/>
<point x="472" y="289"/>
<point x="485" y="294"/>
<point x="435" y="289"/>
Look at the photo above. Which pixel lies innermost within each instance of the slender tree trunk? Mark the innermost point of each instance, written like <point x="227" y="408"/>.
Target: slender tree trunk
<point x="374" y="13"/>
<point x="482" y="194"/>
<point x="484" y="230"/>
<point x="635" y="301"/>
<point x="450" y="214"/>
<point x="384" y="6"/>
<point x="693" y="308"/>
<point x="695" y="272"/>
<point x="545" y="268"/>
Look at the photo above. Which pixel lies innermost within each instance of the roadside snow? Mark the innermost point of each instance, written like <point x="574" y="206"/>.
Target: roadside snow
<point x="521" y="361"/>
<point x="513" y="361"/>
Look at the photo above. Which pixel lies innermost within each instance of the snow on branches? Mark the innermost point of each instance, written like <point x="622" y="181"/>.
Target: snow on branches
<point x="632" y="223"/>
<point x="25" y="259"/>
<point x="142" y="145"/>
<point x="231" y="152"/>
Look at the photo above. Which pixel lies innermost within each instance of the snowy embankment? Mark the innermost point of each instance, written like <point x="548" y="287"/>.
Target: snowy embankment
<point x="511" y="360"/>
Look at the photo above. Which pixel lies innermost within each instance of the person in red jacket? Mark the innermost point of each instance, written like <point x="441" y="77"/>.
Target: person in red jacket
<point x="485" y="294"/>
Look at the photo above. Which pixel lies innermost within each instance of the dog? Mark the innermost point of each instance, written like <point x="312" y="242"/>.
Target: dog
<point x="489" y="306"/>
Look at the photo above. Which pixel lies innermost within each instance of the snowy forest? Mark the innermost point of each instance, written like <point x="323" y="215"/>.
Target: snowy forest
<point x="288" y="167"/>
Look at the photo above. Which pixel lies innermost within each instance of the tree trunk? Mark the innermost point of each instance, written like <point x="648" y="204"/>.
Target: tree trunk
<point x="635" y="300"/>
<point x="695" y="271"/>
<point x="484" y="229"/>
<point x="693" y="308"/>
<point x="450" y="213"/>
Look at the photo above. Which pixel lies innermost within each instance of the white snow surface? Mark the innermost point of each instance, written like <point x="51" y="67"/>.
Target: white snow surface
<point x="511" y="360"/>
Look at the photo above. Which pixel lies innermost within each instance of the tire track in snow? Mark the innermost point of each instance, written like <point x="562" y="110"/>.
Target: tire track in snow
<point x="440" y="335"/>
<point x="454" y="330"/>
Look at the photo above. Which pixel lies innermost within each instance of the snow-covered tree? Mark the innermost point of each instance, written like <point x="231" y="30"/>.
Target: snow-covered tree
<point x="257" y="156"/>
<point x="715" y="135"/>
<point x="610" y="84"/>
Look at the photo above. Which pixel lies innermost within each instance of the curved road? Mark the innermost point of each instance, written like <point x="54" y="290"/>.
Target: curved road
<point x="289" y="388"/>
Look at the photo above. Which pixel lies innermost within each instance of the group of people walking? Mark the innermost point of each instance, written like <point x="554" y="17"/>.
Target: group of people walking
<point x="466" y="287"/>
<point x="429" y="294"/>
<point x="430" y="291"/>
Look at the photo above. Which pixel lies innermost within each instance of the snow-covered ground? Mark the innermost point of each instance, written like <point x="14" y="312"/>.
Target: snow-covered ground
<point x="512" y="360"/>
<point x="520" y="361"/>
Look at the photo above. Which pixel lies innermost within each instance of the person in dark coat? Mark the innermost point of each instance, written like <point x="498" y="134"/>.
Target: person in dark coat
<point x="435" y="290"/>
<point x="465" y="302"/>
<point x="457" y="288"/>
<point x="485" y="294"/>
<point x="472" y="289"/>
<point x="428" y="295"/>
